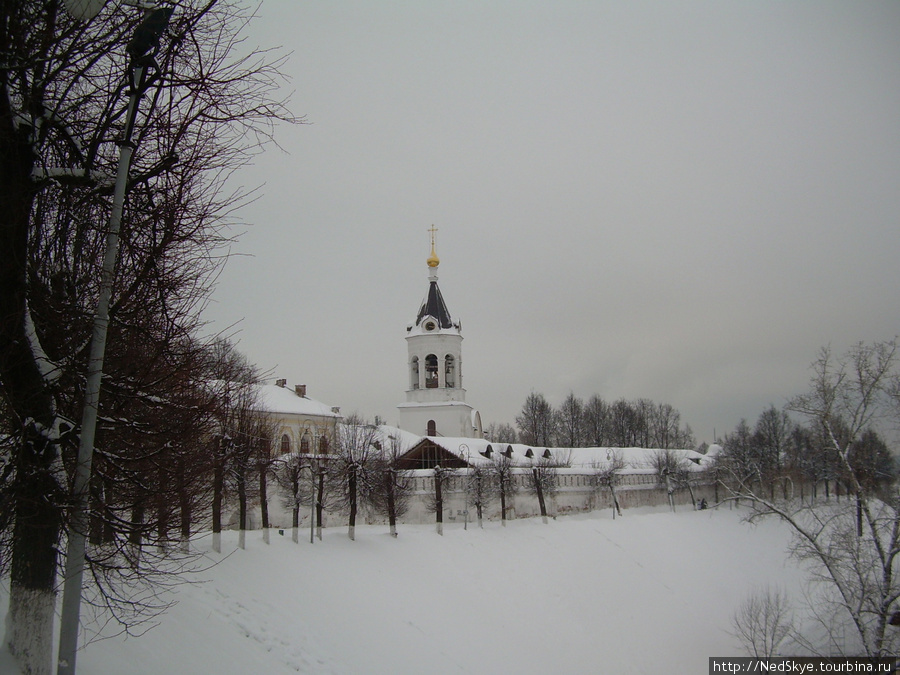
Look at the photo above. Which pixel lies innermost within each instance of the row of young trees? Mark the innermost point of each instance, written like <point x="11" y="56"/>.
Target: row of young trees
<point x="64" y="91"/>
<point x="781" y="456"/>
<point x="596" y="423"/>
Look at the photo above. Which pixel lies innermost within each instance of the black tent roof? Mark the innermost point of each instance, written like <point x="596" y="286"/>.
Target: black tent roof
<point x="434" y="306"/>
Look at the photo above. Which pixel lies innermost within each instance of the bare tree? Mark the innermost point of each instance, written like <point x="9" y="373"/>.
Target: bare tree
<point x="536" y="421"/>
<point x="234" y="433"/>
<point x="245" y="433"/>
<point x="264" y="459"/>
<point x="502" y="478"/>
<point x="770" y="437"/>
<point x="851" y="548"/>
<point x="353" y="465"/>
<point x="479" y="489"/>
<point x="543" y="480"/>
<point x="501" y="433"/>
<point x="441" y="475"/>
<point x="763" y="621"/>
<point x="740" y="460"/>
<point x="294" y="477"/>
<point x="606" y="475"/>
<point x="570" y="422"/>
<point x="391" y="485"/>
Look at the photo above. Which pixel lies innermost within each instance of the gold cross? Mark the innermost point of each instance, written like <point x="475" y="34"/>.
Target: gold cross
<point x="432" y="229"/>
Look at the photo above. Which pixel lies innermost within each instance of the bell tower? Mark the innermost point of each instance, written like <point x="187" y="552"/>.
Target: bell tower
<point x="435" y="397"/>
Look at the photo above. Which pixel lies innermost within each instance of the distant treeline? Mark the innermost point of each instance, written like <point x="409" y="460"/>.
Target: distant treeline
<point x="595" y="423"/>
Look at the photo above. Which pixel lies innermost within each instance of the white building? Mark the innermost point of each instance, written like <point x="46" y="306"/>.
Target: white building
<point x="304" y="424"/>
<point x="436" y="400"/>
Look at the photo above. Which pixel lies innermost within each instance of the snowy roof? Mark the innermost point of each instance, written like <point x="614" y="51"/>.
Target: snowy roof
<point x="388" y="435"/>
<point x="277" y="399"/>
<point x="477" y="451"/>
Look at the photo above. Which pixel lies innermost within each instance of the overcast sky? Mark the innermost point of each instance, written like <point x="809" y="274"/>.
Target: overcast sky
<point x="681" y="201"/>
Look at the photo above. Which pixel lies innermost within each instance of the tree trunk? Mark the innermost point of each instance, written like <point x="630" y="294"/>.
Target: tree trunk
<point x="351" y="487"/>
<point x="615" y="500"/>
<point x="478" y="505"/>
<point x="540" y="494"/>
<point x="502" y="504"/>
<point x="162" y="504"/>
<point x="218" y="495"/>
<point x="319" y="505"/>
<point x="392" y="508"/>
<point x="32" y="599"/>
<point x="36" y="488"/>
<point x="98" y="523"/>
<point x="184" y="503"/>
<point x="716" y="488"/>
<point x="136" y="534"/>
<point x="859" y="515"/>
<point x="264" y="502"/>
<point x="438" y="504"/>
<point x="242" y="509"/>
<point x="670" y="491"/>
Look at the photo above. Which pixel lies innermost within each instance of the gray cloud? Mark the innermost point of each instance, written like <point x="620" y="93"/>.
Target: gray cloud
<point x="680" y="201"/>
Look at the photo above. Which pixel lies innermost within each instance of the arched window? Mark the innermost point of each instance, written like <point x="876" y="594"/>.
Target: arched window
<point x="285" y="444"/>
<point x="414" y="373"/>
<point x="323" y="445"/>
<point x="450" y="371"/>
<point x="431" y="372"/>
<point x="432" y="428"/>
<point x="304" y="443"/>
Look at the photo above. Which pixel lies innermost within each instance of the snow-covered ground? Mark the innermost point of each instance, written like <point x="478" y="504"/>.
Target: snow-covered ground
<point x="648" y="592"/>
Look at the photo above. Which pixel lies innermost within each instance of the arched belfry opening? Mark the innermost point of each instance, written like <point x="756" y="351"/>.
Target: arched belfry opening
<point x="432" y="379"/>
<point x="450" y="371"/>
<point x="414" y="373"/>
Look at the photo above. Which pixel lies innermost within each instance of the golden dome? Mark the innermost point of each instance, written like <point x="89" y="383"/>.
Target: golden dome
<point x="433" y="260"/>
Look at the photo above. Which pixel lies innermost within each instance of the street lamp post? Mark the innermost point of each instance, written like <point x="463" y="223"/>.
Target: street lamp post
<point x="143" y="71"/>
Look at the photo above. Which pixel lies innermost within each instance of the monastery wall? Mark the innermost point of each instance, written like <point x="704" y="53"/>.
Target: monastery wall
<point x="575" y="493"/>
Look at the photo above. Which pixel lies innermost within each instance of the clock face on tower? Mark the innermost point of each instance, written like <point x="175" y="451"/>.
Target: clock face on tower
<point x="430" y="325"/>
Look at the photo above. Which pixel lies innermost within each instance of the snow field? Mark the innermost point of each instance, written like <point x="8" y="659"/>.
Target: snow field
<point x="648" y="592"/>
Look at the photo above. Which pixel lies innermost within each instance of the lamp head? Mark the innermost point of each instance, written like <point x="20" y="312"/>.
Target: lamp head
<point x="149" y="31"/>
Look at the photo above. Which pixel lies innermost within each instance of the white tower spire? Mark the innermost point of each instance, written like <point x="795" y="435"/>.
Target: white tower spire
<point x="435" y="398"/>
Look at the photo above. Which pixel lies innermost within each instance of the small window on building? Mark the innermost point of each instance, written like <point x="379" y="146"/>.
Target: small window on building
<point x="323" y="445"/>
<point x="432" y="428"/>
<point x="304" y="443"/>
<point x="285" y="444"/>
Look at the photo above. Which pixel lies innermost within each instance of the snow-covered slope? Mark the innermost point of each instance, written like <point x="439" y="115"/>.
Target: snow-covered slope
<point x="648" y="592"/>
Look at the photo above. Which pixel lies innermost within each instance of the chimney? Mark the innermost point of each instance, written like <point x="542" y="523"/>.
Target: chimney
<point x="281" y="383"/>
<point x="300" y="389"/>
